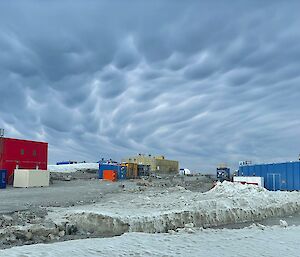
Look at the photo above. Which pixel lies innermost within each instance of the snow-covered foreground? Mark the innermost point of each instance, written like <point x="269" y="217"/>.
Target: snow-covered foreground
<point x="68" y="168"/>
<point x="253" y="241"/>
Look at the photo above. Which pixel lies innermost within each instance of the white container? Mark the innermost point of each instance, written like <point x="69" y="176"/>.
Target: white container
<point x="185" y="172"/>
<point x="31" y="178"/>
<point x="259" y="181"/>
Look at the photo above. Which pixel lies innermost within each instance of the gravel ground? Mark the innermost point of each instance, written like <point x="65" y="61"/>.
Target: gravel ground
<point x="61" y="193"/>
<point x="80" y="191"/>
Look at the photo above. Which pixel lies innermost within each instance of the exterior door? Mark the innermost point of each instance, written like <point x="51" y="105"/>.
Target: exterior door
<point x="273" y="181"/>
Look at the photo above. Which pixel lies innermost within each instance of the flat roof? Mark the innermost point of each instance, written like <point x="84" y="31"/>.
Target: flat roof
<point x="26" y="140"/>
<point x="270" y="163"/>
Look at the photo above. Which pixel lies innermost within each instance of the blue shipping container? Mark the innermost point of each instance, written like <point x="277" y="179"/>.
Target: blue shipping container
<point x="3" y="179"/>
<point x="277" y="176"/>
<point x="121" y="170"/>
<point x="103" y="167"/>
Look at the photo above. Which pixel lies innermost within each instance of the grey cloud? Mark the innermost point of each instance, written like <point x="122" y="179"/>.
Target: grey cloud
<point x="127" y="55"/>
<point x="201" y="70"/>
<point x="203" y="82"/>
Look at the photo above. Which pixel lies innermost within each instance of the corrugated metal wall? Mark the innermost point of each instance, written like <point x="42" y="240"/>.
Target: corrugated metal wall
<point x="277" y="176"/>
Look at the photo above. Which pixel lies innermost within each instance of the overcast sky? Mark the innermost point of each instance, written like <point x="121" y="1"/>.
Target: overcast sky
<point x="203" y="82"/>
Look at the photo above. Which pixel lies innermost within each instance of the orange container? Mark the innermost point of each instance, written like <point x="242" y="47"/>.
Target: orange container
<point x="110" y="175"/>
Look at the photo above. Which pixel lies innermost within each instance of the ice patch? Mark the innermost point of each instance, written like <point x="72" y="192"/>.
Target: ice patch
<point x="69" y="168"/>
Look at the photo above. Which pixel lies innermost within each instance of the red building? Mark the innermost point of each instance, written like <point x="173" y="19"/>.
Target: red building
<point x="25" y="154"/>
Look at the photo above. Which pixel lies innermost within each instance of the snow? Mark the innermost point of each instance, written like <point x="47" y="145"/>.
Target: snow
<point x="69" y="168"/>
<point x="255" y="241"/>
<point x="160" y="211"/>
<point x="237" y="188"/>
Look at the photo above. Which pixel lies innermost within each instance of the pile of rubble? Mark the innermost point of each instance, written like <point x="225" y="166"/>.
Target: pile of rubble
<point x="32" y="227"/>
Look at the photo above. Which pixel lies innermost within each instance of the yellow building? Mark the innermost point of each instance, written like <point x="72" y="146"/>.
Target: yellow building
<point x="157" y="164"/>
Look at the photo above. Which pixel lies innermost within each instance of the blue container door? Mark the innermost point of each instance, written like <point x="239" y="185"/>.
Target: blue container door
<point x="3" y="179"/>
<point x="273" y="181"/>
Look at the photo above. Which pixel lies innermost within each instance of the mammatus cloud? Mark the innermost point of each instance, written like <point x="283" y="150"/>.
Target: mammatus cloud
<point x="200" y="82"/>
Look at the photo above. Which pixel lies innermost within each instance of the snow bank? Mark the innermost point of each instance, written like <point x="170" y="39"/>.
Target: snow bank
<point x="236" y="188"/>
<point x="156" y="212"/>
<point x="252" y="241"/>
<point x="69" y="168"/>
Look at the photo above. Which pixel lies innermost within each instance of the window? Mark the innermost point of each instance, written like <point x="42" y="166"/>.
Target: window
<point x="34" y="153"/>
<point x="22" y="151"/>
